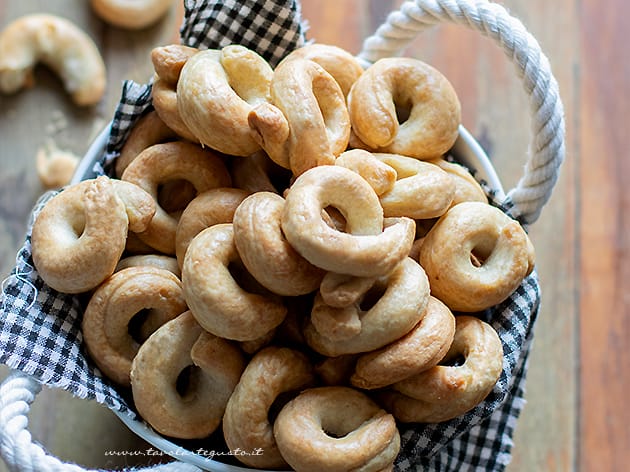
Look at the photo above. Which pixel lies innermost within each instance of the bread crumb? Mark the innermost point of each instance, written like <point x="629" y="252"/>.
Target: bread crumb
<point x="55" y="167"/>
<point x="57" y="124"/>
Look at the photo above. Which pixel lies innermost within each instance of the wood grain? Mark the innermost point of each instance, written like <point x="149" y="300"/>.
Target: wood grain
<point x="546" y="435"/>
<point x="579" y="369"/>
<point x="69" y="428"/>
<point x="605" y="238"/>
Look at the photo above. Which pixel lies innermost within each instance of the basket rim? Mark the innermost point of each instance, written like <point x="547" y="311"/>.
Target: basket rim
<point x="466" y="150"/>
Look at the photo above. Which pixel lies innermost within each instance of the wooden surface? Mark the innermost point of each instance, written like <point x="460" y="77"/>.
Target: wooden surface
<point x="575" y="417"/>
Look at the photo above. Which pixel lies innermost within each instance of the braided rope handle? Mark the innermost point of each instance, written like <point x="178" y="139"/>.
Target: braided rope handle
<point x="17" y="448"/>
<point x="547" y="144"/>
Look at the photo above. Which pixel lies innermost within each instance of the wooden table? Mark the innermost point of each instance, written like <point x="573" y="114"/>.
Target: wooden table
<point x="575" y="417"/>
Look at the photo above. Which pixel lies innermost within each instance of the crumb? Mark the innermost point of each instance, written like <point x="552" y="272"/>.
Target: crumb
<point x="55" y="167"/>
<point x="57" y="124"/>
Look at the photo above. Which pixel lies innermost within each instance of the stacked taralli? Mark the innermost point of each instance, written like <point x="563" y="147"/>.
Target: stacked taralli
<point x="288" y="255"/>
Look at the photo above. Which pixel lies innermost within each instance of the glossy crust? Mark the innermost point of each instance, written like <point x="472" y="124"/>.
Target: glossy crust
<point x="348" y="243"/>
<point x="107" y="318"/>
<point x="168" y="61"/>
<point x="214" y="367"/>
<point x="422" y="190"/>
<point x="433" y="106"/>
<point x="149" y="130"/>
<point x="420" y="349"/>
<point x="215" y="93"/>
<point x="246" y="424"/>
<point x="214" y="206"/>
<point x="475" y="256"/>
<point x="307" y="123"/>
<point x="264" y="250"/>
<point x="336" y="429"/>
<point x="467" y="189"/>
<point x="400" y="302"/>
<point x="79" y="236"/>
<point x="447" y="391"/>
<point x="161" y="163"/>
<point x="381" y="176"/>
<point x="371" y="246"/>
<point x="59" y="44"/>
<point x="343" y="66"/>
<point x="216" y="299"/>
<point x="164" y="100"/>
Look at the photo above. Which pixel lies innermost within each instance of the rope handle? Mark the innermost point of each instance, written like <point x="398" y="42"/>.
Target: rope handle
<point x="547" y="142"/>
<point x="17" y="448"/>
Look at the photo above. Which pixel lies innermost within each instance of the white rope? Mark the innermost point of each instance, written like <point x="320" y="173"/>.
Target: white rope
<point x="547" y="146"/>
<point x="17" y="449"/>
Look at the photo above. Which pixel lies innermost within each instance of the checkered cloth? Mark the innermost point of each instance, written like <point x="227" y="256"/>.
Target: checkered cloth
<point x="40" y="328"/>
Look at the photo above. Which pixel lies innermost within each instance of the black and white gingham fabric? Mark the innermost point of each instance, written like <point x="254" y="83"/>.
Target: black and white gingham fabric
<point x="40" y="328"/>
<point x="270" y="27"/>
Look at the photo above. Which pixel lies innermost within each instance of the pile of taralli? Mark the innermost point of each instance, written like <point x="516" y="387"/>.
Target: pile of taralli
<point x="286" y="255"/>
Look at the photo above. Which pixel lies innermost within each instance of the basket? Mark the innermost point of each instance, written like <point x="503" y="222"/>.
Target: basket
<point x="36" y="323"/>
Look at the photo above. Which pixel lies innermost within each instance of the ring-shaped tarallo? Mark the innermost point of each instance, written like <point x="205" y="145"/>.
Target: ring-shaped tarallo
<point x="405" y="106"/>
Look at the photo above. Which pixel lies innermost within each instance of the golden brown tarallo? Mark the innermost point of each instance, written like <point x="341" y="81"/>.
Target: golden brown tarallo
<point x="107" y="320"/>
<point x="79" y="236"/>
<point x="182" y="349"/>
<point x="336" y="428"/>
